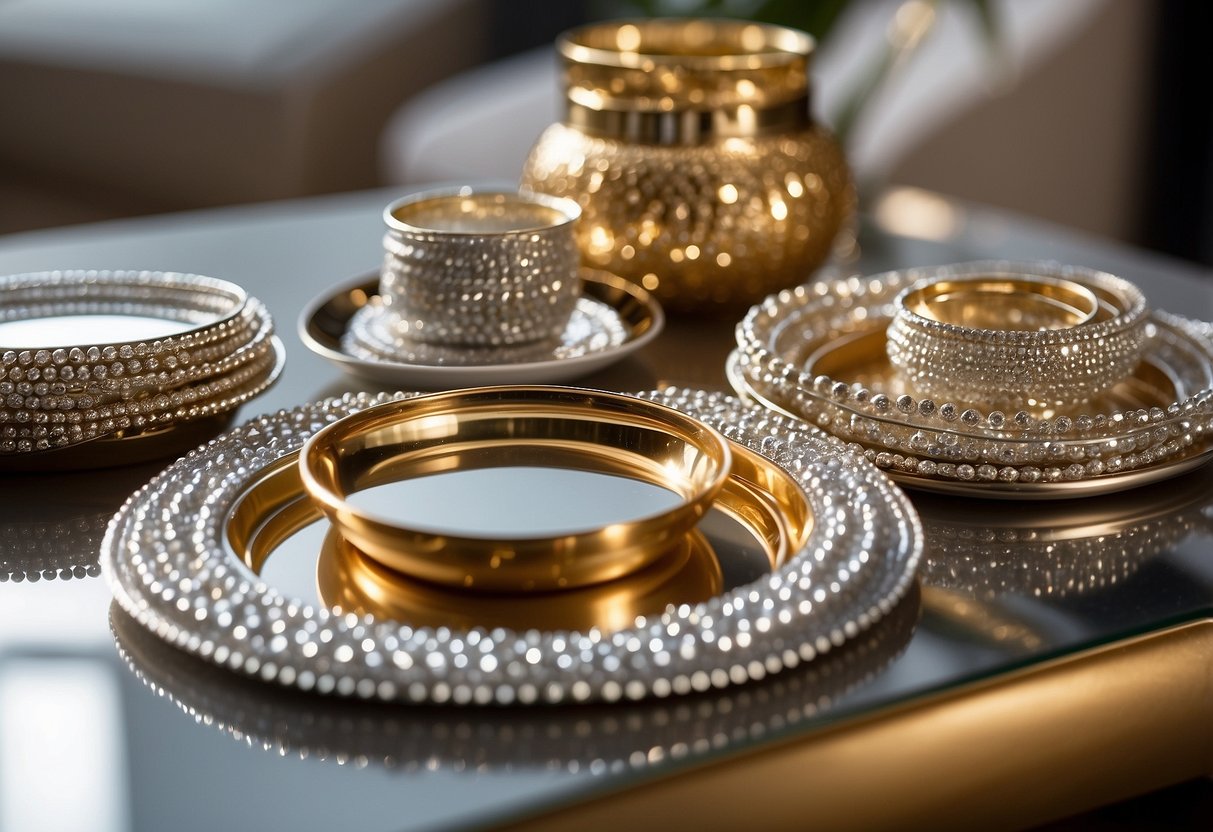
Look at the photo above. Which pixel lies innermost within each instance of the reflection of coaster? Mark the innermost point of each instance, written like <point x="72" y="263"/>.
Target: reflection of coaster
<point x="1067" y="548"/>
<point x="64" y="550"/>
<point x="374" y="335"/>
<point x="51" y="525"/>
<point x="576" y="739"/>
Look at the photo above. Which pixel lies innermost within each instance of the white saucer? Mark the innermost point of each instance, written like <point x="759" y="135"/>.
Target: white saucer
<point x="615" y="318"/>
<point x="373" y="335"/>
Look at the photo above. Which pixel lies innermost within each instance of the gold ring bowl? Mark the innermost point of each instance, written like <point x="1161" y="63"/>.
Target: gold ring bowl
<point x="759" y="495"/>
<point x="550" y="427"/>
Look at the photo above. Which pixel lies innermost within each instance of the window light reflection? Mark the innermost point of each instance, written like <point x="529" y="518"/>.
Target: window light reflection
<point x="912" y="212"/>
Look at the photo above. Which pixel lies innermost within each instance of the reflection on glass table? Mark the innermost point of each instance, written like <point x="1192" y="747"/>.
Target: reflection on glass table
<point x="587" y="738"/>
<point x="51" y="525"/>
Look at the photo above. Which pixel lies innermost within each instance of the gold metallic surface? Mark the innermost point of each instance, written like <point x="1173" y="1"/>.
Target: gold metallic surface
<point x="350" y="581"/>
<point x="1005" y="303"/>
<point x="505" y="426"/>
<point x="1053" y="735"/>
<point x="758" y="494"/>
<point x="663" y="65"/>
<point x="698" y="171"/>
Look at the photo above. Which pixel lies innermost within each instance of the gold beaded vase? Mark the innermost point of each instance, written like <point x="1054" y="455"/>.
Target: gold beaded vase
<point x="689" y="146"/>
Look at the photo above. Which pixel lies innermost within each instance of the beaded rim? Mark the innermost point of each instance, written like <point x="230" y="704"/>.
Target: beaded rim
<point x="166" y="562"/>
<point x="1171" y="456"/>
<point x="77" y="283"/>
<point x="372" y="335"/>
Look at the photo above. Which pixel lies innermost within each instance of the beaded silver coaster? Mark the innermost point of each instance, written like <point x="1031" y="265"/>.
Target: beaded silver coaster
<point x="818" y="352"/>
<point x="169" y="566"/>
<point x="374" y="334"/>
<point x="211" y="347"/>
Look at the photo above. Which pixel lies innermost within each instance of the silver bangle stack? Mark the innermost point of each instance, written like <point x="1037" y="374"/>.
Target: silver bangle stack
<point x="221" y="352"/>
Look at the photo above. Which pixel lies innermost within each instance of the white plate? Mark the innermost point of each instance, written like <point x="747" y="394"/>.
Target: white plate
<point x="325" y="320"/>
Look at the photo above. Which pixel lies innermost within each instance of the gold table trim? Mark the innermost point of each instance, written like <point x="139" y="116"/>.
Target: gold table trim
<point x="1051" y="739"/>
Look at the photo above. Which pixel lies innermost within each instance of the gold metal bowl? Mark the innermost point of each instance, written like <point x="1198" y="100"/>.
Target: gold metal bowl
<point x="547" y="427"/>
<point x="758" y="495"/>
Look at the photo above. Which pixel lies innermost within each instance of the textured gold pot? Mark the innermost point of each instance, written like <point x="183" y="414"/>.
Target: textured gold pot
<point x="689" y="146"/>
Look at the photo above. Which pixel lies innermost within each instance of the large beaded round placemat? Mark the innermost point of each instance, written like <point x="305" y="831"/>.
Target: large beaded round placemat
<point x="170" y="568"/>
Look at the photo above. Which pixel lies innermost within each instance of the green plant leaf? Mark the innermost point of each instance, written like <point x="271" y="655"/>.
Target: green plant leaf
<point x="817" y="17"/>
<point x="988" y="22"/>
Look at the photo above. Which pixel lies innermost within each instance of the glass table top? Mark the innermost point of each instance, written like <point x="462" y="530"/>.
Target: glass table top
<point x="103" y="727"/>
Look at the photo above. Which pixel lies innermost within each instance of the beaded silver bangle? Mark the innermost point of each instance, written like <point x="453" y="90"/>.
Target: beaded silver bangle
<point x="1032" y="335"/>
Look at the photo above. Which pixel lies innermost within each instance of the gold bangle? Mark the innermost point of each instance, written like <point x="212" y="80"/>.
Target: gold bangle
<point x="1004" y="303"/>
<point x="528" y="426"/>
<point x="350" y="581"/>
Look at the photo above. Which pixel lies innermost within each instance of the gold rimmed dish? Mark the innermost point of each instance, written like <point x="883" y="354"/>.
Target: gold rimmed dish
<point x="525" y="429"/>
<point x="277" y="507"/>
<point x="759" y="496"/>
<point x="325" y="325"/>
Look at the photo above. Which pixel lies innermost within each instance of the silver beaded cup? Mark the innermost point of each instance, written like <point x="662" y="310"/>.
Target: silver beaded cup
<point x="480" y="268"/>
<point x="1030" y="334"/>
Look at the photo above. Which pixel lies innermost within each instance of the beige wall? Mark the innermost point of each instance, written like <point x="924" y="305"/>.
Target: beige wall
<point x="1067" y="142"/>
